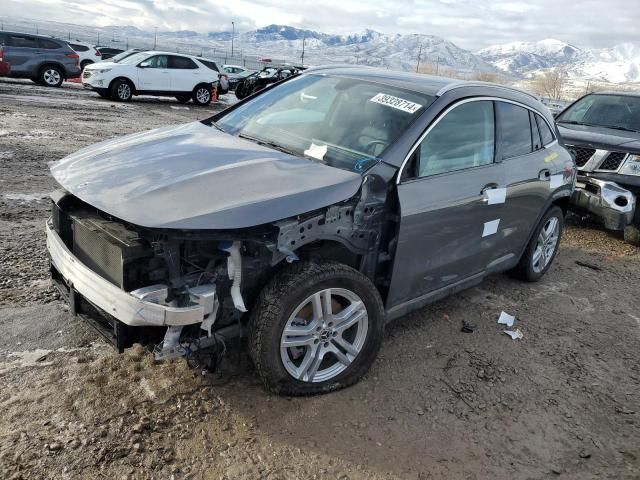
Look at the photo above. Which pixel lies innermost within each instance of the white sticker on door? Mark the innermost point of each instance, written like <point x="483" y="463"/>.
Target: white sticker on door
<point x="490" y="227"/>
<point x="556" y="181"/>
<point x="496" y="195"/>
<point x="396" y="102"/>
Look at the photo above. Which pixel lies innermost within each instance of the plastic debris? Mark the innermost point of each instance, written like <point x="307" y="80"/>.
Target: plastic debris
<point x="506" y="319"/>
<point x="514" y="334"/>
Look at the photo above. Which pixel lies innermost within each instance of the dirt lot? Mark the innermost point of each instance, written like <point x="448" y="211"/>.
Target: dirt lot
<point x="563" y="402"/>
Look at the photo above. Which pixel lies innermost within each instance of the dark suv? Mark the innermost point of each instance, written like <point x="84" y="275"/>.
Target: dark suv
<point x="44" y="60"/>
<point x="602" y="130"/>
<point x="308" y="216"/>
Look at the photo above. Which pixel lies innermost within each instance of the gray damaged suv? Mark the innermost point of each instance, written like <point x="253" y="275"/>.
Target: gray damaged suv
<point x="307" y="216"/>
<point x="44" y="60"/>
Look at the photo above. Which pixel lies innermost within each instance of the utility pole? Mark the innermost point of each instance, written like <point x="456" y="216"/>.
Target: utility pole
<point x="437" y="65"/>
<point x="304" y="37"/>
<point x="233" y="34"/>
<point x="419" y="55"/>
<point x="155" y="38"/>
<point x="98" y="42"/>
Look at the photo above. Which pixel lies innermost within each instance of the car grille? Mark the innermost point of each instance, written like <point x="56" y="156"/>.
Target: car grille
<point x="582" y="154"/>
<point x="612" y="161"/>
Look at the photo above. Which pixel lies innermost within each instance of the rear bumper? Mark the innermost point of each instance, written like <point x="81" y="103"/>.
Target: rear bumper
<point x="609" y="201"/>
<point x="130" y="308"/>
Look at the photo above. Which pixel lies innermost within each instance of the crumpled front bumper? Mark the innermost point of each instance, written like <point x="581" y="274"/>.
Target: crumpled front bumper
<point x="132" y="308"/>
<point x="607" y="200"/>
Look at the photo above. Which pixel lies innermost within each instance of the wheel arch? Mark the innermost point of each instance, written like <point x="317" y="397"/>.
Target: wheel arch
<point x="53" y="63"/>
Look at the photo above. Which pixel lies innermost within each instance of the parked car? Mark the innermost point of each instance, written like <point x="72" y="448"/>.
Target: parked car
<point x="125" y="54"/>
<point x="264" y="77"/>
<point x="235" y="69"/>
<point x="602" y="130"/>
<point x="240" y="85"/>
<point x="236" y="78"/>
<point x="223" y="79"/>
<point x="109" y="52"/>
<point x="88" y="53"/>
<point x="44" y="60"/>
<point x="152" y="73"/>
<point x="308" y="216"/>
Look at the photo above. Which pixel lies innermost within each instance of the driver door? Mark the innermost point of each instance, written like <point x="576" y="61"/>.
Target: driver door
<point x="451" y="203"/>
<point x="154" y="74"/>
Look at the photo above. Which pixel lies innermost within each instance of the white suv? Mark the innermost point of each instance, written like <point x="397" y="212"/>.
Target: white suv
<point x="87" y="52"/>
<point x="152" y="73"/>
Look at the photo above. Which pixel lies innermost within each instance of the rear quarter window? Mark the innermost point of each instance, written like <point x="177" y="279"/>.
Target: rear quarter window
<point x="79" y="48"/>
<point x="210" y="65"/>
<point x="545" y="131"/>
<point x="48" y="44"/>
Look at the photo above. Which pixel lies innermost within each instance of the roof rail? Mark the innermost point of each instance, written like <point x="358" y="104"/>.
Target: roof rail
<point x="464" y="83"/>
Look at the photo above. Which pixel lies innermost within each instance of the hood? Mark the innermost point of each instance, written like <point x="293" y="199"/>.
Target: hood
<point x="101" y="65"/>
<point x="599" y="137"/>
<point x="196" y="177"/>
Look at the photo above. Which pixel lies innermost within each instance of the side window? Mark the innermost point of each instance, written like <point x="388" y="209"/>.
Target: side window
<point x="3" y="39"/>
<point x="48" y="44"/>
<point x="159" y="61"/>
<point x="464" y="138"/>
<point x="22" y="41"/>
<point x="516" y="130"/>
<point x="79" y="48"/>
<point x="545" y="131"/>
<point x="181" y="63"/>
<point x="210" y="65"/>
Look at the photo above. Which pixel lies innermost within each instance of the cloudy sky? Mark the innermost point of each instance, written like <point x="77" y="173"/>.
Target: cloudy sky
<point x="471" y="24"/>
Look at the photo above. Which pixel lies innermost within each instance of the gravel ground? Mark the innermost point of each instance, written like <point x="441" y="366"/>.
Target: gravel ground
<point x="563" y="402"/>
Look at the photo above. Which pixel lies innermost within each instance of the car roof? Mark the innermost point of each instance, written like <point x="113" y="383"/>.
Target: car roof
<point x="47" y="37"/>
<point x="417" y="82"/>
<point x="620" y="94"/>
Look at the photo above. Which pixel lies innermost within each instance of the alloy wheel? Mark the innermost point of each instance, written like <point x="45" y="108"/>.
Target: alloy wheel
<point x="324" y="335"/>
<point x="203" y="95"/>
<point x="52" y="77"/>
<point x="124" y="91"/>
<point x="546" y="245"/>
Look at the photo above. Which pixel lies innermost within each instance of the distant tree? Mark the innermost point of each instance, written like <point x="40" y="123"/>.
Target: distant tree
<point x="551" y="83"/>
<point x="485" y="77"/>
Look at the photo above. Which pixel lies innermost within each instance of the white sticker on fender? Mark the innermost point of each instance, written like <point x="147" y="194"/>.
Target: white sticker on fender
<point x="396" y="102"/>
<point x="490" y="228"/>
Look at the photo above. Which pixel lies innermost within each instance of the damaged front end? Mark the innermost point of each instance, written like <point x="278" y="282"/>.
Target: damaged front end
<point x="187" y="290"/>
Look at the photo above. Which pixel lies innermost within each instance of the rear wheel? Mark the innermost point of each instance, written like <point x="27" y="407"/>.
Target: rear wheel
<point x="50" y="76"/>
<point x="315" y="328"/>
<point x="183" y="98"/>
<point x="542" y="248"/>
<point x="202" y="95"/>
<point x="121" y="90"/>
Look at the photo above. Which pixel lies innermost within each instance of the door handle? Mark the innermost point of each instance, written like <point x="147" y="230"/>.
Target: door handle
<point x="544" y="174"/>
<point x="488" y="186"/>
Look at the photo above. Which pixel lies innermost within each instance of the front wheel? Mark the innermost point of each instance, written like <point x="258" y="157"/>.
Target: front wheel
<point x="542" y="247"/>
<point x="121" y="90"/>
<point x="202" y="95"/>
<point x="315" y="328"/>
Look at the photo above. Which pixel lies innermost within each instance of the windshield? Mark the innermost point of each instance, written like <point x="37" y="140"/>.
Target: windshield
<point x="135" y="58"/>
<point x="121" y="56"/>
<point x="343" y="122"/>
<point x="620" y="112"/>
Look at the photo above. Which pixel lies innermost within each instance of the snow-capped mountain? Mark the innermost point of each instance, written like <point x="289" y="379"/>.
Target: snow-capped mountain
<point x="617" y="64"/>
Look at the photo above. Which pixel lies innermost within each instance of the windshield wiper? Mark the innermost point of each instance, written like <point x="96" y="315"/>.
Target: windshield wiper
<point x="612" y="127"/>
<point x="573" y="122"/>
<point x="267" y="143"/>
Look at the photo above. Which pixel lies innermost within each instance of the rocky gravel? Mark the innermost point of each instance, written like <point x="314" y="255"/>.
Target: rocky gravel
<point x="562" y="402"/>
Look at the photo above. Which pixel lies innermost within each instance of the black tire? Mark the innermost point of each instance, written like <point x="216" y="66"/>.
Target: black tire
<point x="51" y="76"/>
<point x="281" y="296"/>
<point x="526" y="269"/>
<point x="121" y="90"/>
<point x="202" y="95"/>
<point x="85" y="63"/>
<point x="183" y="98"/>
<point x="103" y="93"/>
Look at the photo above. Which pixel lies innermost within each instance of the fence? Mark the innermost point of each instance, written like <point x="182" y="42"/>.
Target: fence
<point x="115" y="38"/>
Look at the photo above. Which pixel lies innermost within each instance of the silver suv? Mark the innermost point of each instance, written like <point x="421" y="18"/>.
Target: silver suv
<point x="44" y="60"/>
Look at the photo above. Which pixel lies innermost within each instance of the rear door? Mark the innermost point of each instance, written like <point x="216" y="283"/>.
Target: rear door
<point x="528" y="164"/>
<point x="450" y="203"/>
<point x="185" y="74"/>
<point x="24" y="55"/>
<point x="154" y="74"/>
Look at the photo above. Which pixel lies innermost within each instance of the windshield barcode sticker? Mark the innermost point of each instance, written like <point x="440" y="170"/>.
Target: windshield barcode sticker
<point x="396" y="102"/>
